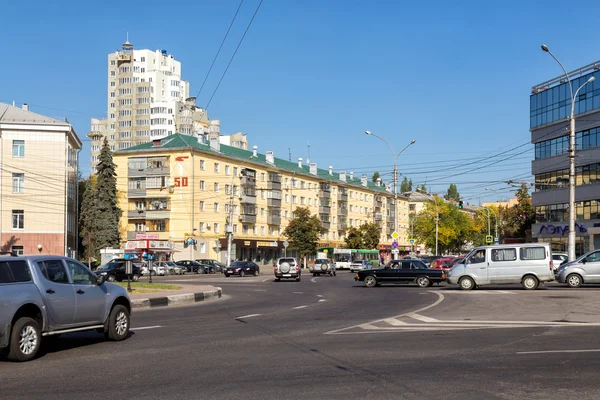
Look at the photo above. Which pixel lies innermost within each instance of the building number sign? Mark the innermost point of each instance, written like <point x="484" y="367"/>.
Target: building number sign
<point x="181" y="181"/>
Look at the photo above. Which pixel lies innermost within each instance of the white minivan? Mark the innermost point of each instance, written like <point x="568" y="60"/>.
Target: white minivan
<point x="527" y="264"/>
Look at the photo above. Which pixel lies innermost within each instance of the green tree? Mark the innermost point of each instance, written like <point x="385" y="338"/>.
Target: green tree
<point x="423" y="188"/>
<point x="410" y="185"/>
<point x="107" y="210"/>
<point x="370" y="234"/>
<point x="353" y="238"/>
<point x="88" y="220"/>
<point x="455" y="228"/>
<point x="376" y="176"/>
<point x="405" y="186"/>
<point x="453" y="194"/>
<point x="303" y="231"/>
<point x="519" y="218"/>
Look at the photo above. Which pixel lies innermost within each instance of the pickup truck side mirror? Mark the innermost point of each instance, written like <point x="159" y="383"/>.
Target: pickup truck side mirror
<point x="583" y="261"/>
<point x="100" y="279"/>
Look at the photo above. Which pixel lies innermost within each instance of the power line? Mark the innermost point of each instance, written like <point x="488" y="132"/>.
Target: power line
<point x="233" y="56"/>
<point x="220" y="47"/>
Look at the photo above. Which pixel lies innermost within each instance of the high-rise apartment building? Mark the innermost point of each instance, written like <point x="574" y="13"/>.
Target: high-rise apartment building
<point x="550" y="109"/>
<point x="145" y="95"/>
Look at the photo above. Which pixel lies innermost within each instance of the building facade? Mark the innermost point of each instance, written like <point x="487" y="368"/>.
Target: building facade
<point x="550" y="108"/>
<point x="38" y="183"/>
<point x="178" y="193"/>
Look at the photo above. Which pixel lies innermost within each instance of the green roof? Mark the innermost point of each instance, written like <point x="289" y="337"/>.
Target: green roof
<point x="186" y="142"/>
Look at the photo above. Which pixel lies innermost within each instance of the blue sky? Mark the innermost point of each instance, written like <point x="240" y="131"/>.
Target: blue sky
<point x="454" y="76"/>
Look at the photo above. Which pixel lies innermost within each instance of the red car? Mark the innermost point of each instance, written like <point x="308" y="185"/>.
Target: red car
<point x="444" y="263"/>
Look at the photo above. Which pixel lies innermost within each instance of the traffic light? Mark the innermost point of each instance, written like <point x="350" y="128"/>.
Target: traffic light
<point x="460" y="205"/>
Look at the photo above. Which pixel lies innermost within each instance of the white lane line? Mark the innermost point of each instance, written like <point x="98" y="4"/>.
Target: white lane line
<point x="394" y="322"/>
<point x="146" y="327"/>
<point x="422" y="293"/>
<point x="260" y="290"/>
<point x="299" y="307"/>
<point x="248" y="316"/>
<point x="314" y="280"/>
<point x="421" y="317"/>
<point x="298" y="292"/>
<point x="268" y="279"/>
<point x="319" y="295"/>
<point x="558" y="351"/>
<point x="322" y="300"/>
<point x="505" y="292"/>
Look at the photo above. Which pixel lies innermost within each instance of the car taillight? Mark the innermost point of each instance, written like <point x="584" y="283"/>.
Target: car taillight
<point x="551" y="265"/>
<point x="297" y="268"/>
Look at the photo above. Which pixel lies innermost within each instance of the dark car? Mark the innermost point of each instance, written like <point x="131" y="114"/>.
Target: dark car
<point x="211" y="266"/>
<point x="242" y="268"/>
<point x="114" y="270"/>
<point x="401" y="271"/>
<point x="191" y="266"/>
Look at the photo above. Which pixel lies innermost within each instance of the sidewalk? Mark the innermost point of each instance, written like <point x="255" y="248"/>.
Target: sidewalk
<point x="186" y="295"/>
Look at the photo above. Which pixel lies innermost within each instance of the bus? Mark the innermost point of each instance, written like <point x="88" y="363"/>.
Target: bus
<point x="344" y="257"/>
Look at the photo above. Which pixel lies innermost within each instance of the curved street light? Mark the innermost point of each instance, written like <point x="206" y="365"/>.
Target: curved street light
<point x="572" y="237"/>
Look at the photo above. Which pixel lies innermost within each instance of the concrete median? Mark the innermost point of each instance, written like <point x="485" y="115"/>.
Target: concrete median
<point x="164" y="300"/>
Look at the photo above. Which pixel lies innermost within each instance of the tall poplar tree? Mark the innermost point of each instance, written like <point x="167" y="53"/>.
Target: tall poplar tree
<point x="107" y="210"/>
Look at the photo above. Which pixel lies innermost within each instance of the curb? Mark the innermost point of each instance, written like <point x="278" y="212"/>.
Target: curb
<point x="177" y="299"/>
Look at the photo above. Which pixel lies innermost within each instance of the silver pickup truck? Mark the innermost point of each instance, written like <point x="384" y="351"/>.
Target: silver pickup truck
<point x="49" y="295"/>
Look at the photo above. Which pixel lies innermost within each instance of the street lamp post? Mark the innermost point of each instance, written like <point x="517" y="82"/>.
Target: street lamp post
<point x="230" y="216"/>
<point x="571" y="240"/>
<point x="395" y="179"/>
<point x="499" y="216"/>
<point x="437" y="225"/>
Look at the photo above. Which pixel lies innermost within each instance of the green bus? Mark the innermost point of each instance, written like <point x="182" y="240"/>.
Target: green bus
<point x="344" y="257"/>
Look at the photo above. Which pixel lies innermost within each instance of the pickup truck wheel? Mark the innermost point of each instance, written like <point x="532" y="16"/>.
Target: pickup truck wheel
<point x="370" y="281"/>
<point x="466" y="283"/>
<point x="24" y="339"/>
<point x="118" y="323"/>
<point x="423" y="281"/>
<point x="111" y="278"/>
<point x="530" y="282"/>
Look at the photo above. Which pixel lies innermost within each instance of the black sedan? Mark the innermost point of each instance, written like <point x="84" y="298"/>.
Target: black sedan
<point x="191" y="266"/>
<point x="242" y="268"/>
<point x="115" y="270"/>
<point x="401" y="271"/>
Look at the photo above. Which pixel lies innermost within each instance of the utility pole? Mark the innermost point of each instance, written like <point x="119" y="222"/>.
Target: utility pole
<point x="229" y="228"/>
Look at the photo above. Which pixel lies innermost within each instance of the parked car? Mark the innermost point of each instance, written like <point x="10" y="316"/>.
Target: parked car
<point x="242" y="268"/>
<point x="359" y="265"/>
<point x="559" y="259"/>
<point x="458" y="260"/>
<point x="322" y="266"/>
<point x="168" y="268"/>
<point x="115" y="270"/>
<point x="527" y="264"/>
<point x="191" y="266"/>
<point x="49" y="295"/>
<point x="214" y="266"/>
<point x="401" y="271"/>
<point x="444" y="263"/>
<point x="585" y="269"/>
<point x="287" y="268"/>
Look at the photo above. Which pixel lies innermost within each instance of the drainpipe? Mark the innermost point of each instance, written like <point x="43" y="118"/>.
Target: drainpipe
<point x="77" y="205"/>
<point x="66" y="220"/>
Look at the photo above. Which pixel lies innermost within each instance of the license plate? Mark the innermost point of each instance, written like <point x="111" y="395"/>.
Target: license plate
<point x="287" y="274"/>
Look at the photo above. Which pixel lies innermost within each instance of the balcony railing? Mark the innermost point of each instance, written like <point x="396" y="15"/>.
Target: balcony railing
<point x="248" y="199"/>
<point x="273" y="220"/>
<point x="274" y="185"/>
<point x="342" y="211"/>
<point x="136" y="193"/>
<point x="274" y="202"/>
<point x="325" y="224"/>
<point x="324" y="210"/>
<point x="248" y="181"/>
<point x="342" y="197"/>
<point x="325" y="194"/>
<point x="249" y="219"/>
<point x="133" y="214"/>
<point x="342" y="226"/>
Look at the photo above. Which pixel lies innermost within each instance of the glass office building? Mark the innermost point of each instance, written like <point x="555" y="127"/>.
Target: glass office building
<point x="550" y="109"/>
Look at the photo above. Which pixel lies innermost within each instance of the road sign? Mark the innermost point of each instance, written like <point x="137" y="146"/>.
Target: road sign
<point x="496" y="240"/>
<point x="489" y="239"/>
<point x="286" y="244"/>
<point x="395" y="235"/>
<point x="394" y="245"/>
<point x="411" y="241"/>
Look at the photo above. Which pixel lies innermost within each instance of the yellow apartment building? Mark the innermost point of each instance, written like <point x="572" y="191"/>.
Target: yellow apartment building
<point x="177" y="193"/>
<point x="38" y="183"/>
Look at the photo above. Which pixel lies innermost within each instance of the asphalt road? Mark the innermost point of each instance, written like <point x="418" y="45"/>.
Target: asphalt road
<point x="329" y="338"/>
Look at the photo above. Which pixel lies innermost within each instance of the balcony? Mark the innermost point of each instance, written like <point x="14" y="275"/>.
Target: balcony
<point x="342" y="226"/>
<point x="326" y="225"/>
<point x="274" y="185"/>
<point x="136" y="173"/>
<point x="274" y="202"/>
<point x="378" y="202"/>
<point x="248" y="181"/>
<point x="342" y="211"/>
<point x="248" y="199"/>
<point x="136" y="193"/>
<point x="162" y="171"/>
<point x="324" y="194"/>
<point x="157" y="214"/>
<point x="136" y="214"/>
<point x="273" y="220"/>
<point x="276" y="178"/>
<point x="378" y="217"/>
<point x="122" y="56"/>
<point x="324" y="210"/>
<point x="248" y="219"/>
<point x="342" y="197"/>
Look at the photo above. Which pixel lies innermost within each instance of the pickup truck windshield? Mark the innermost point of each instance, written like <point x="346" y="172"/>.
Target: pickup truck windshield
<point x="14" y="271"/>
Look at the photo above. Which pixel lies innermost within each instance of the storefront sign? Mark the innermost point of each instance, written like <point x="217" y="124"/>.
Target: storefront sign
<point x="561" y="229"/>
<point x="153" y="244"/>
<point x="266" y="244"/>
<point x="274" y="244"/>
<point x="140" y="236"/>
<point x="132" y="245"/>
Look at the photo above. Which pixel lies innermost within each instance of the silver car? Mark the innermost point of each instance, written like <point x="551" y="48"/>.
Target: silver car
<point x="585" y="269"/>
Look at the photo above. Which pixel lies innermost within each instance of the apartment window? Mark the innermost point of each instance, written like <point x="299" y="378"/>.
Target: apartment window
<point x="227" y="189"/>
<point x="227" y="170"/>
<point x="112" y="62"/>
<point x="245" y="229"/>
<point x="217" y="207"/>
<point x="202" y="185"/>
<point x="227" y="207"/>
<point x="262" y="212"/>
<point x="262" y="230"/>
<point x="302" y="185"/>
<point x="18" y="250"/>
<point x="202" y="207"/>
<point x="143" y="59"/>
<point x="286" y="214"/>
<point x="351" y="207"/>
<point x="255" y="230"/>
<point x="310" y="202"/>
<point x="18" y="219"/>
<point x="217" y="227"/>
<point x="235" y="171"/>
<point x="235" y="228"/>
<point x="202" y="226"/>
<point x="18" y="181"/>
<point x="287" y="198"/>
<point x="217" y="167"/>
<point x="334" y="219"/>
<point x="216" y="187"/>
<point x="18" y="148"/>
<point x="157" y="182"/>
<point x="235" y="209"/>
<point x="263" y="194"/>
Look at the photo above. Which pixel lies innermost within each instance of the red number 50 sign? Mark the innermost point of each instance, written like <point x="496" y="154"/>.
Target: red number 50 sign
<point x="183" y="181"/>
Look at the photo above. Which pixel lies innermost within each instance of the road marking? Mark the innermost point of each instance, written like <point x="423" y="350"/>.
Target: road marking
<point x="248" y="316"/>
<point x="298" y="292"/>
<point x="319" y="295"/>
<point x="299" y="307"/>
<point x="268" y="279"/>
<point x="395" y="322"/>
<point x="260" y="290"/>
<point x="421" y="317"/>
<point x="422" y="293"/>
<point x="505" y="292"/>
<point x="322" y="300"/>
<point x="559" y="351"/>
<point x="146" y="327"/>
<point x="314" y="280"/>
